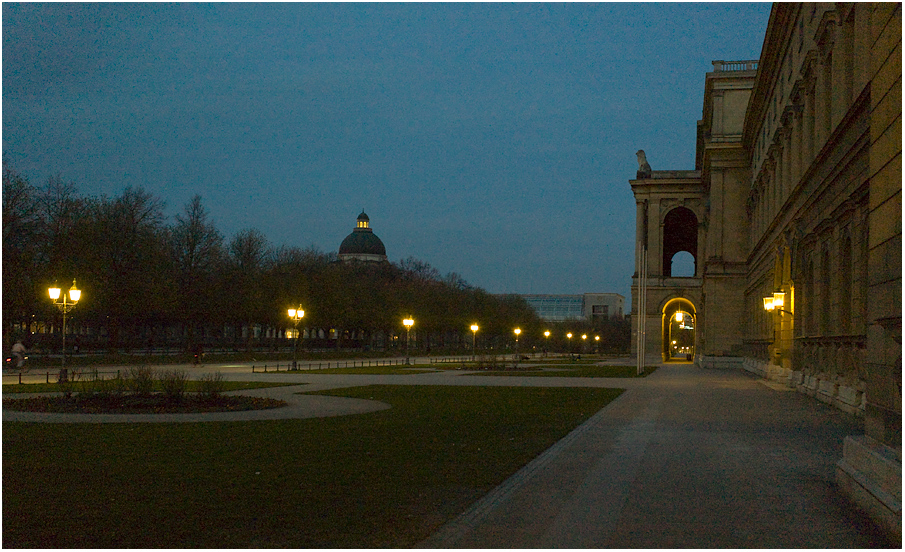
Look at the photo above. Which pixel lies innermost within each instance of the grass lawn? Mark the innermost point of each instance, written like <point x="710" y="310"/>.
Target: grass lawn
<point x="386" y="479"/>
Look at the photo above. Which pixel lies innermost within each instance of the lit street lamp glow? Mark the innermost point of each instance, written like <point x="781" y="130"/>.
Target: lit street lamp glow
<point x="474" y="334"/>
<point x="65" y="306"/>
<point x="517" y="332"/>
<point x="296" y="315"/>
<point x="408" y="323"/>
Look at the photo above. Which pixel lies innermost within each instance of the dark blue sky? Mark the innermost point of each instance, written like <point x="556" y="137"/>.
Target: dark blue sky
<point x="493" y="140"/>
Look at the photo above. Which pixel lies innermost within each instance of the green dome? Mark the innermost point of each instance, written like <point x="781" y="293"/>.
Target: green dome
<point x="362" y="244"/>
<point x="362" y="241"/>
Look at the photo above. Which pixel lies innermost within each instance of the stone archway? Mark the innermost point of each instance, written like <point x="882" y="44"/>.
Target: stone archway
<point x="679" y="330"/>
<point x="680" y="234"/>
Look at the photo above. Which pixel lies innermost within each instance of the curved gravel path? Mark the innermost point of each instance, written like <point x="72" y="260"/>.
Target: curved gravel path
<point x="297" y="407"/>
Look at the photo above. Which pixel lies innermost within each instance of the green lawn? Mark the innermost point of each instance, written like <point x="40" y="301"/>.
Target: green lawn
<point x="385" y="479"/>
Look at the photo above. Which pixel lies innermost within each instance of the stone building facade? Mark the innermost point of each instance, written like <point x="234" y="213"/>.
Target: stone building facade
<point x="796" y="194"/>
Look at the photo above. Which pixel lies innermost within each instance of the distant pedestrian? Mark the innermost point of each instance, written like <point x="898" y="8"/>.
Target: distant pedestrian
<point x="19" y="353"/>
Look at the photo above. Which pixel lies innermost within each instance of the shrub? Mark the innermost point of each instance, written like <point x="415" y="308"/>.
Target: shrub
<point x="174" y="383"/>
<point x="489" y="362"/>
<point x="211" y="386"/>
<point x="141" y="380"/>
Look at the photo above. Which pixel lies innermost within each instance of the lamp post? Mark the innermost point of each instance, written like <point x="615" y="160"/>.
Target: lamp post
<point x="474" y="335"/>
<point x="597" y="343"/>
<point x="584" y="338"/>
<point x="546" y="342"/>
<point x="517" y="332"/>
<point x="408" y="323"/>
<point x="569" y="337"/>
<point x="776" y="302"/>
<point x="296" y="316"/>
<point x="65" y="306"/>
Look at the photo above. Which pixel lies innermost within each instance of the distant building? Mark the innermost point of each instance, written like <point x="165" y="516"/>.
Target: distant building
<point x="556" y="308"/>
<point x="362" y="244"/>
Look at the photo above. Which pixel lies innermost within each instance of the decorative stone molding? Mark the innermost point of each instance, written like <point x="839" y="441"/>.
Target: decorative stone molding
<point x="826" y="33"/>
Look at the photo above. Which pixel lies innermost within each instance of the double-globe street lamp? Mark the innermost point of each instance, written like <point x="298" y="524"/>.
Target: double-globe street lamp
<point x="65" y="305"/>
<point x="296" y="316"/>
<point x="408" y="323"/>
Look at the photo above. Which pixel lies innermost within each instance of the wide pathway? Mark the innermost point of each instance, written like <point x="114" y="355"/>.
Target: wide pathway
<point x="693" y="458"/>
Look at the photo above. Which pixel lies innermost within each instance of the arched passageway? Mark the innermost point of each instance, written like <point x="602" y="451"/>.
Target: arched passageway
<point x="679" y="330"/>
<point x="680" y="234"/>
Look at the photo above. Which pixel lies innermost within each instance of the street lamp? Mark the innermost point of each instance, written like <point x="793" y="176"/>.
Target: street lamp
<point x="569" y="336"/>
<point x="296" y="316"/>
<point x="546" y="342"/>
<point x="474" y="335"/>
<point x="517" y="332"/>
<point x="65" y="306"/>
<point x="408" y="323"/>
<point x="597" y="345"/>
<point x="583" y="338"/>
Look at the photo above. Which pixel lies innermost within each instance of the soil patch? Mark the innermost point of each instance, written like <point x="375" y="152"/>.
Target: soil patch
<point x="153" y="404"/>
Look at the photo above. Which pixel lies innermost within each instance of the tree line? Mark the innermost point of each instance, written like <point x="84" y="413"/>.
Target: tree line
<point x="152" y="281"/>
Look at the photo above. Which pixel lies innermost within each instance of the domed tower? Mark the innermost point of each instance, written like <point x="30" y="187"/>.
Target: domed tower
<point x="362" y="244"/>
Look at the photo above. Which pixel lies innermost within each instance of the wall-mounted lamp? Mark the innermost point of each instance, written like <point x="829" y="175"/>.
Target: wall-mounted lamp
<point x="776" y="302"/>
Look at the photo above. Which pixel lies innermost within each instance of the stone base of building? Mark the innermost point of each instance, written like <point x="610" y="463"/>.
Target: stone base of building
<point x="720" y="362"/>
<point x="766" y="370"/>
<point x="870" y="474"/>
<point x="822" y="387"/>
<point x="826" y="389"/>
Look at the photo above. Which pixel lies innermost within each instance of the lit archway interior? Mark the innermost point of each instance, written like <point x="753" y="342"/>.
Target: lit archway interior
<point x="679" y="326"/>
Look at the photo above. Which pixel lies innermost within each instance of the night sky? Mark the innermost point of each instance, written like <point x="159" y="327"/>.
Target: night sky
<point x="492" y="140"/>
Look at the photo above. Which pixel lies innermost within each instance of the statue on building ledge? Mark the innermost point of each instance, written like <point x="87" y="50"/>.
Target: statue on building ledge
<point x="643" y="166"/>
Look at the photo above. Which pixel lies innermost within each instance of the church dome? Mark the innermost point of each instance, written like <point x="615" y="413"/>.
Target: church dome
<point x="362" y="244"/>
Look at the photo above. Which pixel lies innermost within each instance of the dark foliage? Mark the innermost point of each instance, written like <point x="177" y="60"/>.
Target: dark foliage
<point x="148" y="283"/>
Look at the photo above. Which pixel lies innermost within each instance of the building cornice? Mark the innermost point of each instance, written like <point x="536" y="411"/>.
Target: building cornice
<point x="779" y="31"/>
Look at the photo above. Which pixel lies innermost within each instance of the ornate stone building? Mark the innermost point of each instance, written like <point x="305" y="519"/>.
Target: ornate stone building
<point x="795" y="206"/>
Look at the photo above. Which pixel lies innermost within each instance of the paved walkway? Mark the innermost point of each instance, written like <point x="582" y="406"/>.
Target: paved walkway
<point x="691" y="459"/>
<point x="685" y="458"/>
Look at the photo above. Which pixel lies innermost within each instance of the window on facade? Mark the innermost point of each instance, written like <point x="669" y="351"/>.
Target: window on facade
<point x="845" y="285"/>
<point x="600" y="310"/>
<point x="825" y="293"/>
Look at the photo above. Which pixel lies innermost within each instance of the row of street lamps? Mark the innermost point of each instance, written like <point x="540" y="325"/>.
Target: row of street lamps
<point x="67" y="301"/>
<point x="296" y="315"/>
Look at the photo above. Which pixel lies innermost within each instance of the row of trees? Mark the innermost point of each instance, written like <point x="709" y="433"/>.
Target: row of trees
<point x="179" y="282"/>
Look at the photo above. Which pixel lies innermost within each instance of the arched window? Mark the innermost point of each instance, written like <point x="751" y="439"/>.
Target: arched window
<point x="845" y="285"/>
<point x="683" y="265"/>
<point x="680" y="233"/>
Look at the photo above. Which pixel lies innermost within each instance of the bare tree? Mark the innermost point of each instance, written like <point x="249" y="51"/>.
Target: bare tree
<point x="196" y="249"/>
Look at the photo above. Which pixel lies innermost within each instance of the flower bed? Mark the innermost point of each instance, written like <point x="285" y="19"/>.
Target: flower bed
<point x="130" y="404"/>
